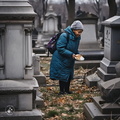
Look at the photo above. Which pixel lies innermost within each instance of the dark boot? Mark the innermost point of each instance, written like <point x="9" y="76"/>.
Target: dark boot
<point x="62" y="87"/>
<point x="67" y="87"/>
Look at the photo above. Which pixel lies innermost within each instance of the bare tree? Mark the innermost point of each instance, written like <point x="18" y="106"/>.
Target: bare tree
<point x="112" y="8"/>
<point x="37" y="6"/>
<point x="70" y="4"/>
<point x="45" y="4"/>
<point x="97" y="8"/>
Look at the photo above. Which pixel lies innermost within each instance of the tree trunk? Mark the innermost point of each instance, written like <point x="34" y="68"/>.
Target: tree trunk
<point x="112" y="8"/>
<point x="71" y="11"/>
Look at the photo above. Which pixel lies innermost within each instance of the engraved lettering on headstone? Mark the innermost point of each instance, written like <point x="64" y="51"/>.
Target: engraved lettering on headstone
<point x="107" y="38"/>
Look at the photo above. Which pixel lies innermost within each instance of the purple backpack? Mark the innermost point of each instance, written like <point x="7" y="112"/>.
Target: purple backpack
<point x="51" y="46"/>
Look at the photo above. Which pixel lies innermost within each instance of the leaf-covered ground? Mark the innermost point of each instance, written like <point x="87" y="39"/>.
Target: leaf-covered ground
<point x="65" y="107"/>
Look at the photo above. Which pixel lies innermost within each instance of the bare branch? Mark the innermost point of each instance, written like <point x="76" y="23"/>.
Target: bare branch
<point x="67" y="5"/>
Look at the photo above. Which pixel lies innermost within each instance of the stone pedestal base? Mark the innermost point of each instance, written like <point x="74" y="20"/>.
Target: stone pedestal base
<point x="106" y="108"/>
<point x="41" y="50"/>
<point x="18" y="100"/>
<point x="92" y="80"/>
<point x="105" y="76"/>
<point x="22" y="115"/>
<point x="41" y="79"/>
<point x="97" y="111"/>
<point x="93" y="113"/>
<point x="107" y="69"/>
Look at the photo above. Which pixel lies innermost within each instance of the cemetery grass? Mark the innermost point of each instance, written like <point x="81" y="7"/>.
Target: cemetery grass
<point x="65" y="107"/>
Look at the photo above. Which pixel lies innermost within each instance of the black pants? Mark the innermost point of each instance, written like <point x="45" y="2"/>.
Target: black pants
<point x="64" y="86"/>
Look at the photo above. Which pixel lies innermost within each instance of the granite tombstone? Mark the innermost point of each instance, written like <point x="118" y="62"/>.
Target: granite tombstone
<point x="18" y="88"/>
<point x="106" y="106"/>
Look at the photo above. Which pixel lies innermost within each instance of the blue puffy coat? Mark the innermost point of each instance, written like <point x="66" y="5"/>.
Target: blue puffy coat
<point x="62" y="63"/>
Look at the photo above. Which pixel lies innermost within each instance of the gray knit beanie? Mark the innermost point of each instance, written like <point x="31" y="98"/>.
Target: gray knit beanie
<point x="77" y="25"/>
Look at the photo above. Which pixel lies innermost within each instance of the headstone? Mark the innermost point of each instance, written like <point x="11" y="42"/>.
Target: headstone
<point x="50" y="25"/>
<point x="89" y="36"/>
<point x="108" y="103"/>
<point x="111" y="47"/>
<point x="18" y="88"/>
<point x="40" y="77"/>
<point x="89" y="45"/>
<point x="107" y="70"/>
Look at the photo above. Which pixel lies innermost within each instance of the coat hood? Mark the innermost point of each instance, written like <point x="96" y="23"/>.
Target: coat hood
<point x="69" y="30"/>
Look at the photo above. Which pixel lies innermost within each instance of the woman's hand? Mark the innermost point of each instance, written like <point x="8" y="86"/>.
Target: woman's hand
<point x="73" y="56"/>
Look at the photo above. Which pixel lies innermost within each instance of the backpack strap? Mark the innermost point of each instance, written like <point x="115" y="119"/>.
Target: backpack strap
<point x="67" y="36"/>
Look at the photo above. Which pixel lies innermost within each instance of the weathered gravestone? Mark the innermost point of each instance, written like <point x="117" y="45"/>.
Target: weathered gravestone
<point x="106" y="106"/>
<point x="18" y="88"/>
<point x="89" y="44"/>
<point x="37" y="73"/>
<point x="107" y="71"/>
<point x="89" y="36"/>
<point x="50" y="23"/>
<point x="50" y="27"/>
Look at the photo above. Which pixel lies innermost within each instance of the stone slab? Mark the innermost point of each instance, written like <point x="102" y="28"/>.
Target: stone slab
<point x="39" y="50"/>
<point x="106" y="108"/>
<point x="110" y="90"/>
<point x="39" y="102"/>
<point x="36" y="64"/>
<point x="14" y="85"/>
<point x="41" y="79"/>
<point x="108" y="66"/>
<point x="92" y="80"/>
<point x="92" y="54"/>
<point x="91" y="112"/>
<point x="105" y="76"/>
<point x="31" y="83"/>
<point x="16" y="7"/>
<point x="17" y="94"/>
<point x="22" y="115"/>
<point x="89" y="64"/>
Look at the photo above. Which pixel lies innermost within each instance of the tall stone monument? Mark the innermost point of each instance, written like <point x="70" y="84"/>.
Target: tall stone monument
<point x="18" y="88"/>
<point x="89" y="36"/>
<point x="107" y="71"/>
<point x="50" y="25"/>
<point x="111" y="48"/>
<point x="106" y="106"/>
<point x="89" y="45"/>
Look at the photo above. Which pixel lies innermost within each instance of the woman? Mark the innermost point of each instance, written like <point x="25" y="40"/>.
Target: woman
<point x="62" y="63"/>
